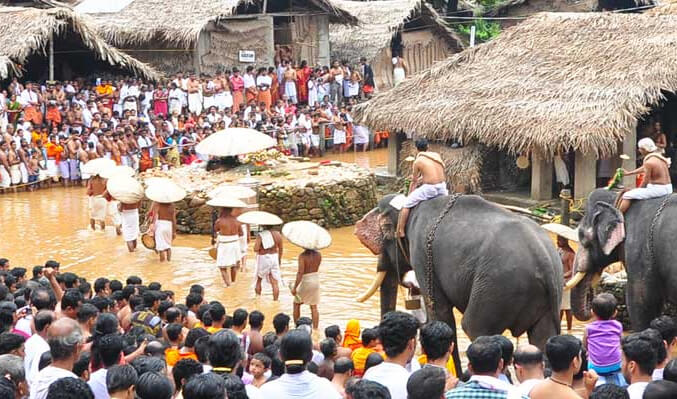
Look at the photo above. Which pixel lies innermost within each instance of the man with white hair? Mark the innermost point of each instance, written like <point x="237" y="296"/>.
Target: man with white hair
<point x="656" y="175"/>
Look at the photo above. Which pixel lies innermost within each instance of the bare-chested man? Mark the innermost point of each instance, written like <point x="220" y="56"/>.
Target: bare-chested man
<point x="92" y="152"/>
<point x="306" y="288"/>
<point x="98" y="206"/>
<point x="133" y="150"/>
<point x="116" y="154"/>
<point x="82" y="157"/>
<point x="24" y="156"/>
<point x="165" y="229"/>
<point x="14" y="163"/>
<point x="73" y="145"/>
<point x="290" y="84"/>
<point x="427" y="182"/>
<point x="106" y="141"/>
<point x="227" y="231"/>
<point x="124" y="149"/>
<point x="268" y="248"/>
<point x="656" y="171"/>
<point x="5" y="178"/>
<point x="194" y="96"/>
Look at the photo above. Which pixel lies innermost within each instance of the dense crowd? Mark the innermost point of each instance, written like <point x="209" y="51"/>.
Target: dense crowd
<point x="63" y="337"/>
<point x="50" y="129"/>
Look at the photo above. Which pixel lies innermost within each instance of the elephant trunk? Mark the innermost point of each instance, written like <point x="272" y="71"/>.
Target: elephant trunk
<point x="581" y="297"/>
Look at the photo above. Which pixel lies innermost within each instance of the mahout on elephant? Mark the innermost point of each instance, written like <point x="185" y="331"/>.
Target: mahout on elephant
<point x="499" y="269"/>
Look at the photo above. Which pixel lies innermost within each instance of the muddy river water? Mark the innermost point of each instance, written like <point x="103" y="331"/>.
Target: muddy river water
<point x="53" y="224"/>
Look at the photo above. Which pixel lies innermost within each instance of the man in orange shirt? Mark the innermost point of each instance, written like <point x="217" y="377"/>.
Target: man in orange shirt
<point x="54" y="150"/>
<point x="173" y="355"/>
<point x="370" y="345"/>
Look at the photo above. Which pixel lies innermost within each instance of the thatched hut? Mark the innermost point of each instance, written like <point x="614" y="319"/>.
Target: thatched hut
<point x="207" y="35"/>
<point x="25" y="35"/>
<point x="556" y="83"/>
<point x="410" y="27"/>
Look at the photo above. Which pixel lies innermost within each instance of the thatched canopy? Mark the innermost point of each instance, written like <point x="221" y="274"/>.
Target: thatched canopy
<point x="665" y="7"/>
<point x="176" y="22"/>
<point x="378" y="21"/>
<point x="557" y="81"/>
<point x="26" y="31"/>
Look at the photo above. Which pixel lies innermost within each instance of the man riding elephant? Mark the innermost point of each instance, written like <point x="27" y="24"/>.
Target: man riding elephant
<point x="656" y="175"/>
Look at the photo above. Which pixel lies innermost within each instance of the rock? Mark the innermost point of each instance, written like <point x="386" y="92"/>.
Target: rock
<point x="316" y="212"/>
<point x="302" y="212"/>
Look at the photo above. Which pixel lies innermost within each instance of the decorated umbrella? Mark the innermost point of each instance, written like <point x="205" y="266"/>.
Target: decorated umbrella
<point x="231" y="190"/>
<point x="165" y="191"/>
<point x="225" y="201"/>
<point x="307" y="235"/>
<point x="121" y="170"/>
<point x="125" y="189"/>
<point x="260" y="218"/>
<point x="235" y="141"/>
<point x="97" y="166"/>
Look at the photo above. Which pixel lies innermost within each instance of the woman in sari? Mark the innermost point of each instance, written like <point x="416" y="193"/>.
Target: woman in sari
<point x="160" y="97"/>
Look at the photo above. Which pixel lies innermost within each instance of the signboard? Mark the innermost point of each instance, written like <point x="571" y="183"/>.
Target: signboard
<point x="247" y="56"/>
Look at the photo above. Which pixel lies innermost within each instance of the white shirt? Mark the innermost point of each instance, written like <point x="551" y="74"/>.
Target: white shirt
<point x="636" y="390"/>
<point x="27" y="97"/>
<point x="24" y="323"/>
<point x="45" y="378"/>
<point x="253" y="392"/>
<point x="304" y="385"/>
<point x="392" y="376"/>
<point x="248" y="81"/>
<point x="97" y="382"/>
<point x="34" y="347"/>
<point x="525" y="387"/>
<point x="264" y="80"/>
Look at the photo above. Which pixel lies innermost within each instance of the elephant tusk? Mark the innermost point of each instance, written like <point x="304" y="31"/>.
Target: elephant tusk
<point x="574" y="281"/>
<point x="378" y="280"/>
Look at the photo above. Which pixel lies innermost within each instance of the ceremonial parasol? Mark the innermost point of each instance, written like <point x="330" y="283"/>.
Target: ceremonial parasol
<point x="225" y="201"/>
<point x="260" y="218"/>
<point x="125" y="189"/>
<point x="234" y="141"/>
<point x="165" y="191"/>
<point x="97" y="166"/>
<point x="307" y="235"/>
<point x="115" y="171"/>
<point x="562" y="230"/>
<point x="231" y="190"/>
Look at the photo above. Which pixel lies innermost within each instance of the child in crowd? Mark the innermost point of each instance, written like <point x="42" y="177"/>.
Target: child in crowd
<point x="602" y="340"/>
<point x="258" y="367"/>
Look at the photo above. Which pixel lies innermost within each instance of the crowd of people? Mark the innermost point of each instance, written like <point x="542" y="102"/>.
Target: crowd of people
<point x="63" y="337"/>
<point x="52" y="128"/>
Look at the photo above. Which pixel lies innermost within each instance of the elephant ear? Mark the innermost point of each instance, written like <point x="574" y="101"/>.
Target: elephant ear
<point x="610" y="225"/>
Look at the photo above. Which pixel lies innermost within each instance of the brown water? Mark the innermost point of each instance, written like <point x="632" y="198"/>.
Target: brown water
<point x="53" y="224"/>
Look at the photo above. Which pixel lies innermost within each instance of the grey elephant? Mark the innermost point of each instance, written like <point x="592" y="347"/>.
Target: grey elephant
<point x="642" y="239"/>
<point x="499" y="269"/>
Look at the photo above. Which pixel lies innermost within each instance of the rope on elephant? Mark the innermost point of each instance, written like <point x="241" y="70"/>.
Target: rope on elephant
<point x="429" y="246"/>
<point x="659" y="211"/>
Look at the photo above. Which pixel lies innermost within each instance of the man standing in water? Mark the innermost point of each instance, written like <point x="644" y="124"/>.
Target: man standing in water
<point x="130" y="224"/>
<point x="306" y="288"/>
<point x="427" y="182"/>
<point x="96" y="187"/>
<point x="227" y="232"/>
<point x="165" y="229"/>
<point x="268" y="248"/>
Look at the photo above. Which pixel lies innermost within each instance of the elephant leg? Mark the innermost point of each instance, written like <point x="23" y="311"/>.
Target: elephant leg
<point x="644" y="301"/>
<point x="443" y="310"/>
<point x="547" y="326"/>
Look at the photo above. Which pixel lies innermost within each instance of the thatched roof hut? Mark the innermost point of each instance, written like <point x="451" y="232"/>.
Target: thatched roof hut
<point x="380" y="23"/>
<point x="555" y="82"/>
<point x="26" y="32"/>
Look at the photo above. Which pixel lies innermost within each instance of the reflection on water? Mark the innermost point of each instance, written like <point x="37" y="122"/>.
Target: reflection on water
<point x="53" y="224"/>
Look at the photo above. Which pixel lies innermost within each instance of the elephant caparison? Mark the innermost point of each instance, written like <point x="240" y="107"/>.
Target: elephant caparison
<point x="499" y="269"/>
<point x="607" y="236"/>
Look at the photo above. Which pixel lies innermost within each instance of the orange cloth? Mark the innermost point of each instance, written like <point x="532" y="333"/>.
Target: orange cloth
<point x="302" y="76"/>
<point x="33" y="115"/>
<point x="274" y="92"/>
<point x="265" y="97"/>
<point x="53" y="115"/>
<point x="351" y="337"/>
<point x="451" y="368"/>
<point x="173" y="355"/>
<point x="251" y="95"/>
<point x="117" y="159"/>
<point x="359" y="358"/>
<point x="54" y="151"/>
<point x="145" y="162"/>
<point x="238" y="99"/>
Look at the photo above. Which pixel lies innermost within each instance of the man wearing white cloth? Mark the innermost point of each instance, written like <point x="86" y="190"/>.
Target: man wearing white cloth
<point x="268" y="248"/>
<point x="165" y="229"/>
<point x="130" y="224"/>
<point x="656" y="171"/>
<point x="228" y="249"/>
<point x="5" y="178"/>
<point x="98" y="206"/>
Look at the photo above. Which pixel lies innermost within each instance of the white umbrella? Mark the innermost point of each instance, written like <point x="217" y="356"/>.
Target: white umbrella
<point x="307" y="235"/>
<point x="231" y="190"/>
<point x="225" y="201"/>
<point x="165" y="191"/>
<point x="125" y="189"/>
<point x="97" y="166"/>
<point x="260" y="218"/>
<point x="122" y="170"/>
<point x="234" y="141"/>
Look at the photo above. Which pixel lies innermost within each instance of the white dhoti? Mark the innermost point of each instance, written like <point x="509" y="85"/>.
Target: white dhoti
<point x="223" y="100"/>
<point x="64" y="169"/>
<point x="243" y="240"/>
<point x="208" y="102"/>
<point x="308" y="291"/>
<point x="339" y="136"/>
<point x="163" y="235"/>
<point x="425" y="192"/>
<point x="15" y="173"/>
<point x="114" y="213"/>
<point x="195" y="103"/>
<point x="228" y="251"/>
<point x="5" y="178"/>
<point x="398" y="76"/>
<point x="108" y="155"/>
<point x="124" y="159"/>
<point x="290" y="91"/>
<point x="566" y="300"/>
<point x="130" y="224"/>
<point x="52" y="168"/>
<point x="268" y="265"/>
<point x="24" y="173"/>
<point x="648" y="192"/>
<point x="74" y="169"/>
<point x="175" y="106"/>
<point x="98" y="208"/>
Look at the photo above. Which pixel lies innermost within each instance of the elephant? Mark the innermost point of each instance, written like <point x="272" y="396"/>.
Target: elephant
<point x="499" y="269"/>
<point x="607" y="236"/>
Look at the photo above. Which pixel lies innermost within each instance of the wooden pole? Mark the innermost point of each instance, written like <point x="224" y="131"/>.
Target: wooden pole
<point x="51" y="57"/>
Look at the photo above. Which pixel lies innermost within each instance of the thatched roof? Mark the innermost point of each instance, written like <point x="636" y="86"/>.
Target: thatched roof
<point x="25" y="31"/>
<point x="378" y="21"/>
<point x="557" y="81"/>
<point x="665" y="7"/>
<point x="176" y="22"/>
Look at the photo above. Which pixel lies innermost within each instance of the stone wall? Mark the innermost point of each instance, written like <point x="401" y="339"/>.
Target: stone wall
<point x="329" y="203"/>
<point x="617" y="289"/>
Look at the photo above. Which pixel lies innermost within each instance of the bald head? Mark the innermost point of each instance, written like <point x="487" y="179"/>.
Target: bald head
<point x="528" y="361"/>
<point x="64" y="337"/>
